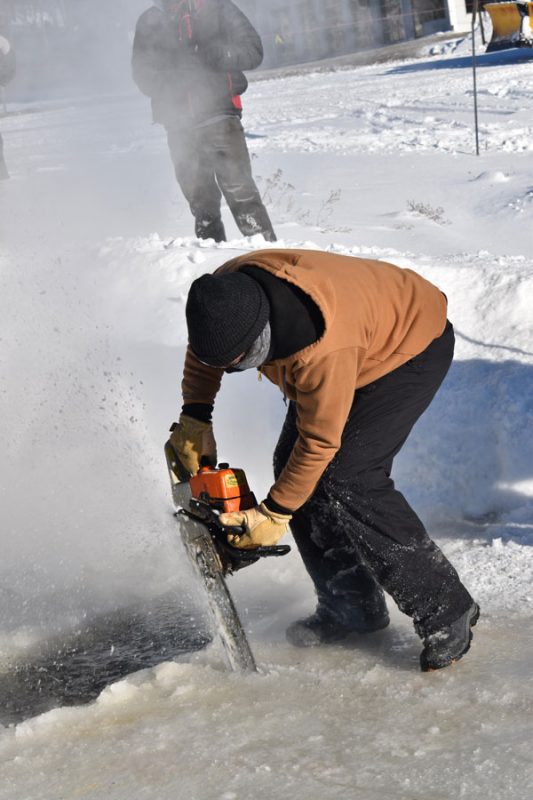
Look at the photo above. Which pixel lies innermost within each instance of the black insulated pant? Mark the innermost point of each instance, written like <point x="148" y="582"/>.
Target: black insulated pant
<point x="212" y="161"/>
<point x="357" y="532"/>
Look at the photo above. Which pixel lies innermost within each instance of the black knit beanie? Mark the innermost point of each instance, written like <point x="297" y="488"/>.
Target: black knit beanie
<point x="225" y="314"/>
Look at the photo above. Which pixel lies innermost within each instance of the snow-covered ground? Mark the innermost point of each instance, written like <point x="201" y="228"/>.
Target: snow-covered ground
<point x="95" y="262"/>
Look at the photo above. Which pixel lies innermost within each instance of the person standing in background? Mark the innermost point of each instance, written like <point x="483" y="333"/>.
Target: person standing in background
<point x="189" y="57"/>
<point x="7" y="73"/>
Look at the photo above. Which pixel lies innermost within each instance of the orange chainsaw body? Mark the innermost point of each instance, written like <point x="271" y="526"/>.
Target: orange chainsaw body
<point x="222" y="488"/>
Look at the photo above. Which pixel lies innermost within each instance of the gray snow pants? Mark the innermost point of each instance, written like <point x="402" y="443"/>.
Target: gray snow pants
<point x="212" y="161"/>
<point x="357" y="532"/>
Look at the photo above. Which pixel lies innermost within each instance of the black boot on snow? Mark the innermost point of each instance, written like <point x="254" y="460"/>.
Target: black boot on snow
<point x="210" y="229"/>
<point x="326" y="627"/>
<point x="448" y="645"/>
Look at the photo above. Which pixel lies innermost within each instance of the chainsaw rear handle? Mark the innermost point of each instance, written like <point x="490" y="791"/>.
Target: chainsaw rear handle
<point x="234" y="558"/>
<point x="212" y="516"/>
<point x="264" y="551"/>
<point x="261" y="551"/>
<point x="199" y="510"/>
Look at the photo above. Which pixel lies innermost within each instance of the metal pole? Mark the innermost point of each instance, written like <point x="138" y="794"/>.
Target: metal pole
<point x="474" y="15"/>
<point x="481" y="26"/>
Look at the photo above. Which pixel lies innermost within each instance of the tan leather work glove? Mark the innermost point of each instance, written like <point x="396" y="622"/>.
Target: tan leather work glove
<point x="263" y="527"/>
<point x="192" y="439"/>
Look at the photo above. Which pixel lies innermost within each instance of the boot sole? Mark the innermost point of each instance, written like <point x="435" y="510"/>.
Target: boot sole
<point x="471" y="622"/>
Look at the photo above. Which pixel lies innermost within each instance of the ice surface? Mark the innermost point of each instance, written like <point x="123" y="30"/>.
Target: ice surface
<point x="95" y="263"/>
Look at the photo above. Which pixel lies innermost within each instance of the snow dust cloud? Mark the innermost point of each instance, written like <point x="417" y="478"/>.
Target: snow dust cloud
<point x="67" y="49"/>
<point x="85" y="515"/>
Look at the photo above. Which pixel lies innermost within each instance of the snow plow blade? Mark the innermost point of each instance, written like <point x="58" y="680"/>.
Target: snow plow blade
<point x="508" y="20"/>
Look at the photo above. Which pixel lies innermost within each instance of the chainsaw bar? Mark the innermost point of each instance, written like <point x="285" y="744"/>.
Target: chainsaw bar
<point x="209" y="567"/>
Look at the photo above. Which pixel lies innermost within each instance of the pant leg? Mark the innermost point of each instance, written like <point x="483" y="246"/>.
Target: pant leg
<point x="233" y="172"/>
<point x="341" y="578"/>
<point x="194" y="166"/>
<point x="356" y="499"/>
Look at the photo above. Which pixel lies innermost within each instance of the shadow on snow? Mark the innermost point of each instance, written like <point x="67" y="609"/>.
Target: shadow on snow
<point x="497" y="59"/>
<point x="471" y="450"/>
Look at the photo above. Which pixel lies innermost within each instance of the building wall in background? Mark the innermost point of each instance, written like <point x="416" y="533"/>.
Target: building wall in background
<point x="460" y="15"/>
<point x="85" y="45"/>
<point x="308" y="30"/>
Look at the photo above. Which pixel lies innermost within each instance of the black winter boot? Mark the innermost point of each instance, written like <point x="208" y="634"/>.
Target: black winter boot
<point x="206" y="228"/>
<point x="326" y="627"/>
<point x="449" y="644"/>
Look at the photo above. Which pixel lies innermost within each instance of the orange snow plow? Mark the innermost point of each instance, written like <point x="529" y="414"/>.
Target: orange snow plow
<point x="508" y="22"/>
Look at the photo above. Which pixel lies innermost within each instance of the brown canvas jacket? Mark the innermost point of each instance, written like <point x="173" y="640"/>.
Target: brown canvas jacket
<point x="376" y="315"/>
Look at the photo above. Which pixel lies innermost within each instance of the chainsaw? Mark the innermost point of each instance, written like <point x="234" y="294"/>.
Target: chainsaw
<point x="199" y="501"/>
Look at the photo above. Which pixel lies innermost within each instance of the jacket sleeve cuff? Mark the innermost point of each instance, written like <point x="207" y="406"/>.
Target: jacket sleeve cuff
<point x="199" y="411"/>
<point x="276" y="508"/>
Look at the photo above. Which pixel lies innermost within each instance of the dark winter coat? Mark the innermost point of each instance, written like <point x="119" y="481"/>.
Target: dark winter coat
<point x="7" y="64"/>
<point x="190" y="64"/>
